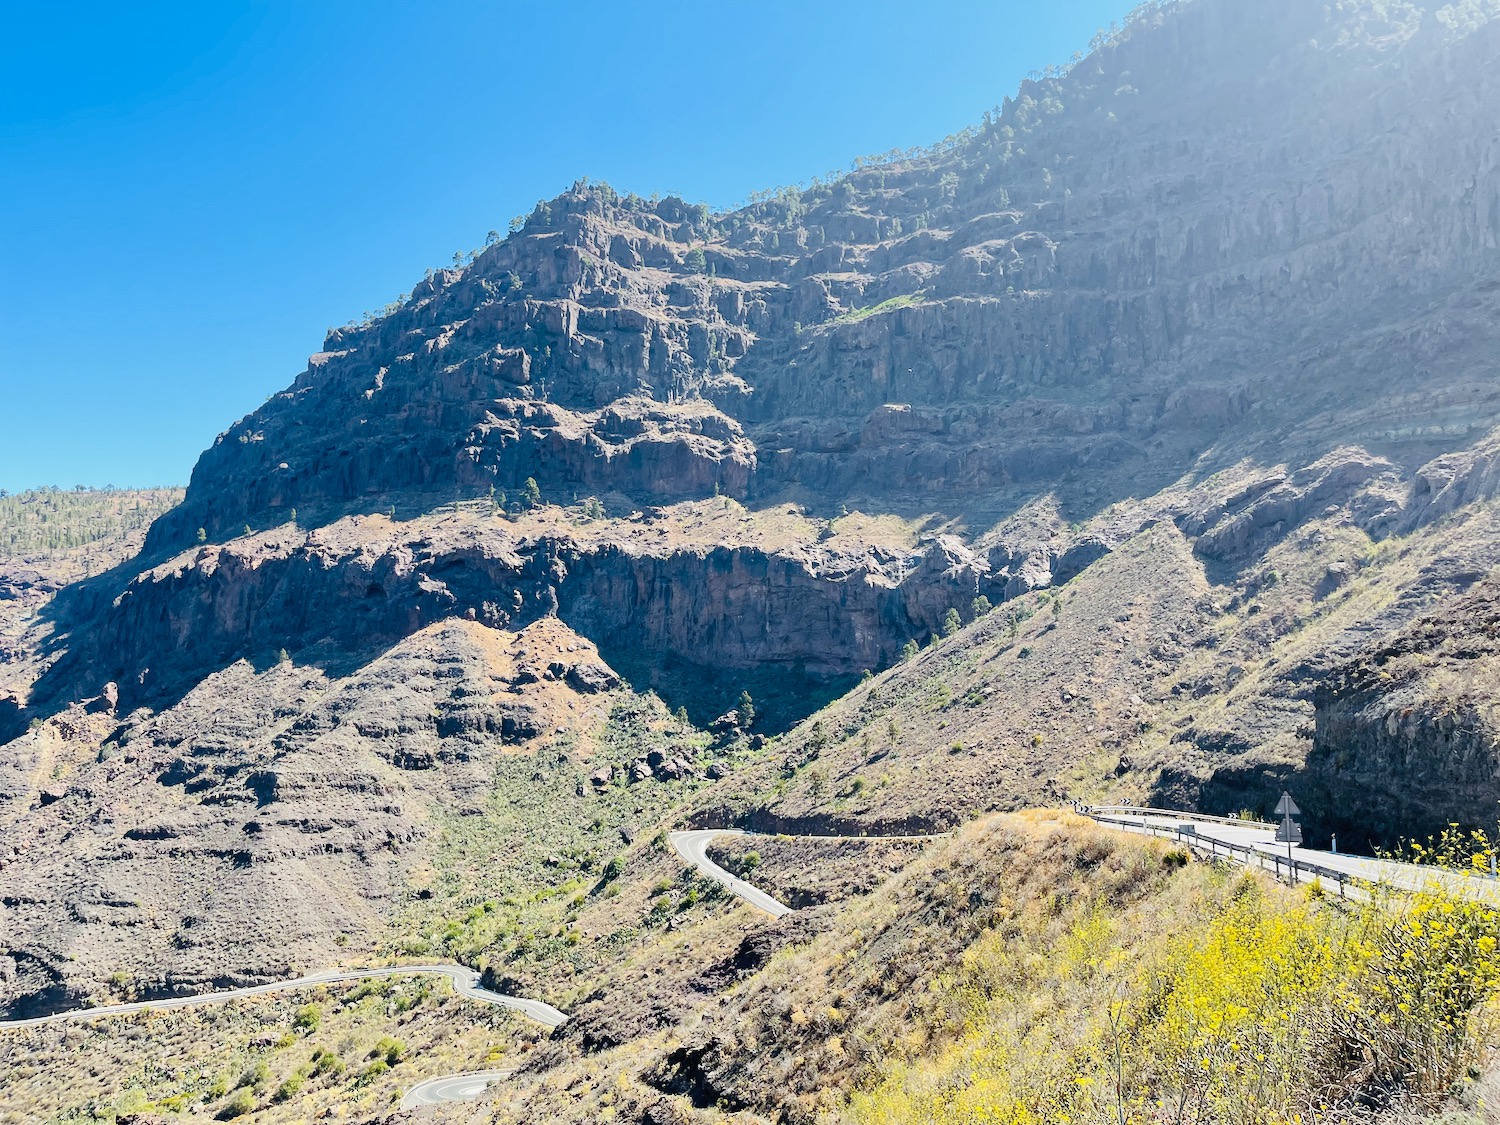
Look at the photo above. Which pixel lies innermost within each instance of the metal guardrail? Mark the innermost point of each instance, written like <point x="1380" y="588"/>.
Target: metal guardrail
<point x="1145" y="810"/>
<point x="1244" y="853"/>
<point x="1400" y="876"/>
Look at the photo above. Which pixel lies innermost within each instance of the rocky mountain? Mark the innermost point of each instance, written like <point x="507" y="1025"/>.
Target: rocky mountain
<point x="1165" y="399"/>
<point x="1240" y="232"/>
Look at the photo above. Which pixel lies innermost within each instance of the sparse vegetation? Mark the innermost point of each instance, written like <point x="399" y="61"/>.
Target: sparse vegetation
<point x="309" y="1016"/>
<point x="196" y="1063"/>
<point x="1033" y="971"/>
<point x="905" y="300"/>
<point x="50" y="521"/>
<point x="1250" y="1006"/>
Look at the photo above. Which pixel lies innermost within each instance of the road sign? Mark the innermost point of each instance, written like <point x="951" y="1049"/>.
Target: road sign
<point x="1289" y="831"/>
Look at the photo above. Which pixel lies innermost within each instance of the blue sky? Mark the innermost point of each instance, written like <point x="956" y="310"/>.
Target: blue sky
<point x="191" y="193"/>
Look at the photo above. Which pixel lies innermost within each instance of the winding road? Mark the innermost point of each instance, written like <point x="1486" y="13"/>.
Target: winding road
<point x="693" y="847"/>
<point x="465" y="983"/>
<point x="452" y="1088"/>
<point x="1246" y="842"/>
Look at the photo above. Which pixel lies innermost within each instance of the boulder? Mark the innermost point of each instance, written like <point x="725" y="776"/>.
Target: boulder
<point x="592" y="678"/>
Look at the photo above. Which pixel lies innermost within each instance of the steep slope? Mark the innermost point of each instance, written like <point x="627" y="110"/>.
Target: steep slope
<point x="1411" y="725"/>
<point x="1224" y="236"/>
<point x="1232" y="231"/>
<point x="277" y="819"/>
<point x="982" y="972"/>
<point x="1348" y="669"/>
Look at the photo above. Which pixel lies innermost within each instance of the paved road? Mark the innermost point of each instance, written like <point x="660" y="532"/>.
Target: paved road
<point x="465" y="983"/>
<point x="452" y="1088"/>
<point x="1261" y="840"/>
<point x="693" y="847"/>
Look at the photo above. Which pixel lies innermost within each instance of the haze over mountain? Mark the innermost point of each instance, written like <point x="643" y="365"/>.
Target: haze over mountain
<point x="1140" y="442"/>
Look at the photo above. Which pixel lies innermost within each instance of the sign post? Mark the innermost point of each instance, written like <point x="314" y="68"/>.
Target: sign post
<point x="1289" y="832"/>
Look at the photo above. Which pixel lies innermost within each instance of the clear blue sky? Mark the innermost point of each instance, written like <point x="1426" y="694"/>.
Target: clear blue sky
<point x="191" y="193"/>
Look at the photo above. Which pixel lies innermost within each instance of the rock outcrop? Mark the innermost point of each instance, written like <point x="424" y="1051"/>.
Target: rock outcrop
<point x="268" y="818"/>
<point x="1407" y="735"/>
<point x="1265" y="232"/>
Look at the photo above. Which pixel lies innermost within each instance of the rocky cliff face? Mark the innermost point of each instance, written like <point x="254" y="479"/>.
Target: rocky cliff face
<point x="361" y="584"/>
<point x="1223" y="238"/>
<point x="1405" y="740"/>
<point x="1264" y="231"/>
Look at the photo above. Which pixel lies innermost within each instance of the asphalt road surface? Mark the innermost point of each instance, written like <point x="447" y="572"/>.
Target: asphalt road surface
<point x="1261" y="840"/>
<point x="1200" y="832"/>
<point x="693" y="847"/>
<point x="465" y="983"/>
<point x="452" y="1088"/>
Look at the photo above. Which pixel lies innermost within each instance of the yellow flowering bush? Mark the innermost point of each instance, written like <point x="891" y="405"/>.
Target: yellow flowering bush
<point x="1223" y="999"/>
<point x="1417" y="1012"/>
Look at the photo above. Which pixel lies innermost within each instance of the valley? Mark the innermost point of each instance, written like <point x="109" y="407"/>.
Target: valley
<point x="1138" y="445"/>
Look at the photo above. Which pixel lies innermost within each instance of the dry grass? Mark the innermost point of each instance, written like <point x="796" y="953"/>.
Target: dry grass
<point x="189" y="1064"/>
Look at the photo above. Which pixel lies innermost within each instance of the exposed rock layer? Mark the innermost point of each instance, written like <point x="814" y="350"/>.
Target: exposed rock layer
<point x="1267" y="231"/>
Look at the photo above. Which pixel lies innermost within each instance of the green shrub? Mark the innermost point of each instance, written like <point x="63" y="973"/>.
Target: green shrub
<point x="324" y="1062"/>
<point x="392" y="1050"/>
<point x="291" y="1087"/>
<point x="242" y="1103"/>
<point x="256" y="1076"/>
